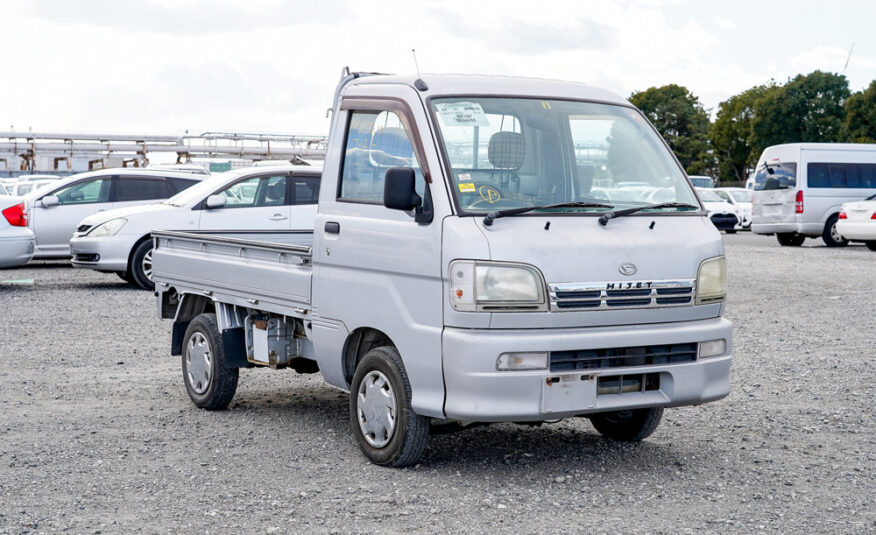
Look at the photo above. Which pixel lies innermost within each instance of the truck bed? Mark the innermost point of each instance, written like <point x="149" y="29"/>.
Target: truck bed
<point x="270" y="271"/>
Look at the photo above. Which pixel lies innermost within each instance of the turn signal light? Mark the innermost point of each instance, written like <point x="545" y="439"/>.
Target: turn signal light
<point x="843" y="215"/>
<point x="16" y="215"/>
<point x="798" y="202"/>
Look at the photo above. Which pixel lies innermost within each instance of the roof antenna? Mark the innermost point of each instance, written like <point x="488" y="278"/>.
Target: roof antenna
<point x="418" y="83"/>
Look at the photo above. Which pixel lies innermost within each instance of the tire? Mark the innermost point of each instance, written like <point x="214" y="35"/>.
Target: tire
<point x="141" y="266"/>
<point x="790" y="239"/>
<point x="628" y="426"/>
<point x="871" y="245"/>
<point x="731" y="231"/>
<point x="209" y="383"/>
<point x="125" y="277"/>
<point x="831" y="237"/>
<point x="388" y="431"/>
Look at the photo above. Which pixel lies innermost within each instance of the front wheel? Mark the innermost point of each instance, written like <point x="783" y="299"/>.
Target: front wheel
<point x="209" y="383"/>
<point x="628" y="426"/>
<point x="141" y="266"/>
<point x="790" y="239"/>
<point x="388" y="431"/>
<point x="831" y="236"/>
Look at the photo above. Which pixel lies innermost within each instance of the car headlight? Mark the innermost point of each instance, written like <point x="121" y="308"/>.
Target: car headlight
<point x="493" y="286"/>
<point x="110" y="228"/>
<point x="712" y="281"/>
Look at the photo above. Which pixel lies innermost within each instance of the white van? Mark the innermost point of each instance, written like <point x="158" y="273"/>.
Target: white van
<point x="800" y="187"/>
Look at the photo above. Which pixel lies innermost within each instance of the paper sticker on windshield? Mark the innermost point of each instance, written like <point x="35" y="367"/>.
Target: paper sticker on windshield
<point x="464" y="177"/>
<point x="467" y="188"/>
<point x="462" y="114"/>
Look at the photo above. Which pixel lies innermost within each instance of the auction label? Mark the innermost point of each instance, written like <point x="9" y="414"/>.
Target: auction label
<point x="462" y="114"/>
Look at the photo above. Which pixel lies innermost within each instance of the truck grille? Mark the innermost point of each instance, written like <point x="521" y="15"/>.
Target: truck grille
<point x="610" y="295"/>
<point x="622" y="357"/>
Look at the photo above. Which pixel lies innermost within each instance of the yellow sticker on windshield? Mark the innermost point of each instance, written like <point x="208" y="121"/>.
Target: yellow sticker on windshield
<point x="545" y="105"/>
<point x="467" y="188"/>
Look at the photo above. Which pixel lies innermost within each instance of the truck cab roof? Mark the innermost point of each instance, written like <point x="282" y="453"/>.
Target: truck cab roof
<point x="459" y="85"/>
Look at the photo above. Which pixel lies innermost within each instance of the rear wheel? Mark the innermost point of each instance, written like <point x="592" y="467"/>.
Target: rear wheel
<point x="832" y="237"/>
<point x="388" y="431"/>
<point x="209" y="383"/>
<point x="141" y="266"/>
<point x="871" y="245"/>
<point x="790" y="239"/>
<point x="628" y="426"/>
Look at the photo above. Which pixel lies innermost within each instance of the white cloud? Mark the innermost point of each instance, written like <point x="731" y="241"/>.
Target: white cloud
<point x="724" y="24"/>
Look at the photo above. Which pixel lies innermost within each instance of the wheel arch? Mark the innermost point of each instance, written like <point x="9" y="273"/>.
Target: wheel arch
<point x="358" y="343"/>
<point x="137" y="243"/>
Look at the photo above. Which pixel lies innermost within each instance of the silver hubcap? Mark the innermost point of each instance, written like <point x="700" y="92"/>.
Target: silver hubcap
<point x="146" y="264"/>
<point x="834" y="234"/>
<point x="199" y="360"/>
<point x="376" y="408"/>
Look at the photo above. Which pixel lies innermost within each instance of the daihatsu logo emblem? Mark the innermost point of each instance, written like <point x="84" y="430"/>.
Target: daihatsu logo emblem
<point x="627" y="269"/>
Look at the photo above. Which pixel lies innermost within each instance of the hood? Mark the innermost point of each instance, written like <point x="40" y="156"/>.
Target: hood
<point x="578" y="249"/>
<point x="129" y="211"/>
<point x="720" y="207"/>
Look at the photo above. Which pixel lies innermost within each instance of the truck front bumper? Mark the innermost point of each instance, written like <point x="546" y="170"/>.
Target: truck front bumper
<point x="476" y="391"/>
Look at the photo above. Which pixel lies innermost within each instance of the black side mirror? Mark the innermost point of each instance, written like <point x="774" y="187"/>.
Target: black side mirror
<point x="399" y="191"/>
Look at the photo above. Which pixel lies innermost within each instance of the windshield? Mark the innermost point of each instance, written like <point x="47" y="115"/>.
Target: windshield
<point x="509" y="153"/>
<point x="201" y="189"/>
<point x="776" y="176"/>
<point x="702" y="182"/>
<point x="709" y="196"/>
<point x="741" y="196"/>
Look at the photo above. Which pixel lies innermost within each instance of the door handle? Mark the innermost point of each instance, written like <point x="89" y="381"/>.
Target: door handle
<point x="332" y="227"/>
<point x="278" y="217"/>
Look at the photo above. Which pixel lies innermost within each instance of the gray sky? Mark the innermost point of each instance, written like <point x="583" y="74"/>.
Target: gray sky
<point x="162" y="66"/>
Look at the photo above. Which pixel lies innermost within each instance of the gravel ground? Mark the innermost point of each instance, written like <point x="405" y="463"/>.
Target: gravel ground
<point x="97" y="434"/>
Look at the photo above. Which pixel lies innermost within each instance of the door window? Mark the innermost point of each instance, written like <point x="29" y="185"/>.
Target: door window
<point x="305" y="190"/>
<point x="256" y="191"/>
<point x="376" y="141"/>
<point x="86" y="192"/>
<point x="141" y="189"/>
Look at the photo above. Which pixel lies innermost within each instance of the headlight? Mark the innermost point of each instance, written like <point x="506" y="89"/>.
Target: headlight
<point x="110" y="228"/>
<point x="492" y="286"/>
<point x="712" y="281"/>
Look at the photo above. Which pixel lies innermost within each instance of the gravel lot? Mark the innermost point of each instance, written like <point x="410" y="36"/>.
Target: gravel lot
<point x="97" y="434"/>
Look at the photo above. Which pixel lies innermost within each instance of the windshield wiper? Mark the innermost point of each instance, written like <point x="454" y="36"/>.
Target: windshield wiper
<point x="492" y="216"/>
<point x="605" y="218"/>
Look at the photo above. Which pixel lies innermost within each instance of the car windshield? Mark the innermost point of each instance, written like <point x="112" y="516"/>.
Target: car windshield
<point x="710" y="196"/>
<point x="522" y="152"/>
<point x="201" y="189"/>
<point x="741" y="196"/>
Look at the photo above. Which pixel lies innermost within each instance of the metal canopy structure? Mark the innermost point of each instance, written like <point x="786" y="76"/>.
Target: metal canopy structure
<point x="55" y="151"/>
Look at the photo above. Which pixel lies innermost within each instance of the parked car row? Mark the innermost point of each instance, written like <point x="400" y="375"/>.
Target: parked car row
<point x="104" y="219"/>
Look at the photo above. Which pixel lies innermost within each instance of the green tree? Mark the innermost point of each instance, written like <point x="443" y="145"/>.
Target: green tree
<point x="809" y="108"/>
<point x="730" y="134"/>
<point x="681" y="120"/>
<point x="860" y="124"/>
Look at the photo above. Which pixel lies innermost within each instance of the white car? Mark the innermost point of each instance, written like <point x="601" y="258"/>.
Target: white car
<point x="56" y="209"/>
<point x="857" y="221"/>
<point x="741" y="199"/>
<point x="702" y="181"/>
<point x="23" y="188"/>
<point x="722" y="214"/>
<point x="253" y="200"/>
<point x="16" y="239"/>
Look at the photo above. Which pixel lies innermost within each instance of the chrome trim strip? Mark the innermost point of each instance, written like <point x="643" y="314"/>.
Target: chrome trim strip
<point x="616" y="302"/>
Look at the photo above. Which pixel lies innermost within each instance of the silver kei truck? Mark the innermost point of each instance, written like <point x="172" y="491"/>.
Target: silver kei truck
<point x="486" y="249"/>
